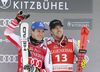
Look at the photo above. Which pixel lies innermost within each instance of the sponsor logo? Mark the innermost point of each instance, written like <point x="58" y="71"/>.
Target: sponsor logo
<point x="5" y="4"/>
<point x="61" y="50"/>
<point x="5" y="22"/>
<point x="36" y="50"/>
<point x="77" y="24"/>
<point x="55" y="46"/>
<point x="6" y="58"/>
<point x="37" y="55"/>
<point x="36" y="62"/>
<point x="41" y="25"/>
<point x="62" y="67"/>
<point x="49" y="42"/>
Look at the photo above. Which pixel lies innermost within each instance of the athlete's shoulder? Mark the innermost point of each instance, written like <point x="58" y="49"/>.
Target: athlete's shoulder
<point x="49" y="42"/>
<point x="70" y="39"/>
<point x="47" y="39"/>
<point x="75" y="41"/>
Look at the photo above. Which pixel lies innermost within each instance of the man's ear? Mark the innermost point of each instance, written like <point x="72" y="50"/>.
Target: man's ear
<point x="51" y="31"/>
<point x="31" y="31"/>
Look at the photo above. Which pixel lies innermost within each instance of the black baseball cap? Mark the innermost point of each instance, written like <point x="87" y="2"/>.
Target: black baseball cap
<point x="54" y="23"/>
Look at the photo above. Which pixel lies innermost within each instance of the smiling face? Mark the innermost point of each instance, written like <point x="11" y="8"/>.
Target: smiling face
<point x="57" y="32"/>
<point x="37" y="34"/>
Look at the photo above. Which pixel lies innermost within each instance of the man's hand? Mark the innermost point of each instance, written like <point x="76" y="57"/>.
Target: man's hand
<point x="22" y="16"/>
<point x="31" y="68"/>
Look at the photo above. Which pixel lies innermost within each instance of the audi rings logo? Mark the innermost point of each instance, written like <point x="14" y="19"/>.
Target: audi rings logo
<point x="4" y="4"/>
<point x="8" y="58"/>
<point x="5" y="22"/>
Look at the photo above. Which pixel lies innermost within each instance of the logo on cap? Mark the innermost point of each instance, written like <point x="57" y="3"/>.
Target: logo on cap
<point x="56" y="22"/>
<point x="41" y="24"/>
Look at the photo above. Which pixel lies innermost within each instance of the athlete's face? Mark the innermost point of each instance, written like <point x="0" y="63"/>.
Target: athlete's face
<point x="37" y="34"/>
<point x="57" y="32"/>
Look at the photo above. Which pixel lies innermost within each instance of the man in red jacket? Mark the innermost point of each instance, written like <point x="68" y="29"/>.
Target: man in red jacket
<point x="62" y="48"/>
<point x="39" y="52"/>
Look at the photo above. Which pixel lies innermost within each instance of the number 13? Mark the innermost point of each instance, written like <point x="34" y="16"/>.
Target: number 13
<point x="63" y="59"/>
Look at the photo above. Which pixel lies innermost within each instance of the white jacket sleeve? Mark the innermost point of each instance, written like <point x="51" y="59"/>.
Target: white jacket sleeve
<point x="76" y="49"/>
<point x="15" y="39"/>
<point x="48" y="60"/>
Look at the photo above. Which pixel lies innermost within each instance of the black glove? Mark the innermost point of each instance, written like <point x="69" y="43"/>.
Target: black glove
<point x="31" y="68"/>
<point x="22" y="16"/>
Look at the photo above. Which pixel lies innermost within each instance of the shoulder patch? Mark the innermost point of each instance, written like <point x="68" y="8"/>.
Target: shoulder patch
<point x="69" y="40"/>
<point x="49" y="42"/>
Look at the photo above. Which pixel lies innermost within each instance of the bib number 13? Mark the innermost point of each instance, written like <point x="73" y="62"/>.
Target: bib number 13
<point x="63" y="57"/>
